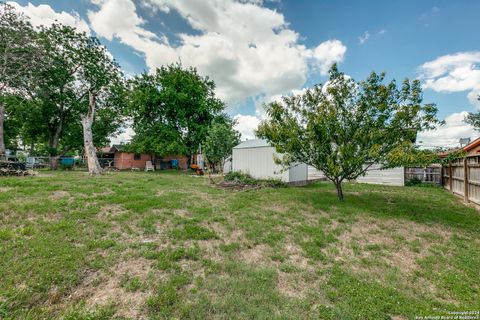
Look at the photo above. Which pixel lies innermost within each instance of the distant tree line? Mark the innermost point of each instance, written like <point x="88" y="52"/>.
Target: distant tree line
<point x="61" y="92"/>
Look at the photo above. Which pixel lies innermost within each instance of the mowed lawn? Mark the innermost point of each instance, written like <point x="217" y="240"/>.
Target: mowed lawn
<point x="167" y="245"/>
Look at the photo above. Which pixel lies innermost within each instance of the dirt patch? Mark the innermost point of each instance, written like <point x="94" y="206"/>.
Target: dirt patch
<point x="59" y="194"/>
<point x="182" y="213"/>
<point x="278" y="208"/>
<point x="299" y="284"/>
<point x="235" y="186"/>
<point x="107" y="192"/>
<point x="226" y="236"/>
<point x="291" y="285"/>
<point x="103" y="288"/>
<point x="5" y="189"/>
<point x="257" y="255"/>
<point x="295" y="256"/>
<point x="112" y="210"/>
<point x="302" y="278"/>
<point x="388" y="240"/>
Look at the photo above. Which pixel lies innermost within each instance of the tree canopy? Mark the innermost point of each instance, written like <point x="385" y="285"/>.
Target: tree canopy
<point x="55" y="98"/>
<point x="343" y="126"/>
<point x="21" y="58"/>
<point x="220" y="140"/>
<point x="172" y="110"/>
<point x="473" y="118"/>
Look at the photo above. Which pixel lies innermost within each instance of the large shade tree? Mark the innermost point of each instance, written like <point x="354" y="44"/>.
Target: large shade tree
<point x="344" y="126"/>
<point x="81" y="79"/>
<point x="172" y="110"/>
<point x="21" y="58"/>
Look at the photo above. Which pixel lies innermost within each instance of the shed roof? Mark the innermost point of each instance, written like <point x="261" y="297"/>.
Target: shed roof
<point x="257" y="143"/>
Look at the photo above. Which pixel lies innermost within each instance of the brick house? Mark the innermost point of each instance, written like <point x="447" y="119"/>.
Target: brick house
<point x="116" y="156"/>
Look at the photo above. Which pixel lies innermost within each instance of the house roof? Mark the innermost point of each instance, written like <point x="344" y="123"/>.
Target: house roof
<point x="257" y="143"/>
<point x="471" y="145"/>
<point x="475" y="143"/>
<point x="114" y="148"/>
<point x="106" y="150"/>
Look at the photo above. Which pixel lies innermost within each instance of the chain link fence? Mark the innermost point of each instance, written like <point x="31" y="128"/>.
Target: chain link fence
<point x="45" y="162"/>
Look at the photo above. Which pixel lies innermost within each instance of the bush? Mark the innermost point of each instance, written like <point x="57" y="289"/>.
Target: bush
<point x="413" y="182"/>
<point x="246" y="179"/>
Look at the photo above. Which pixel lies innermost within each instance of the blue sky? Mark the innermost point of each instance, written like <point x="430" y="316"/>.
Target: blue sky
<point x="258" y="50"/>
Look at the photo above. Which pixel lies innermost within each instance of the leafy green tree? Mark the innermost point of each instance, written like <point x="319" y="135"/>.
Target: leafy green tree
<point x="408" y="155"/>
<point x="20" y="59"/>
<point x="221" y="138"/>
<point x="81" y="80"/>
<point x="344" y="126"/>
<point x="172" y="110"/>
<point x="473" y="118"/>
<point x="21" y="123"/>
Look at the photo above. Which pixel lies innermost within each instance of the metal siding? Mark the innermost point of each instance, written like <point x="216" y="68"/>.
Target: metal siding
<point x="393" y="177"/>
<point x="298" y="172"/>
<point x="258" y="162"/>
<point x="314" y="174"/>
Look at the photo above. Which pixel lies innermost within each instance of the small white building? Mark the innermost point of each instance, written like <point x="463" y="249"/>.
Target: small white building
<point x="377" y="175"/>
<point x="256" y="157"/>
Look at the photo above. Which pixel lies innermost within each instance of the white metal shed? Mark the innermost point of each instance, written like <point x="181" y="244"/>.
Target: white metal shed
<point x="377" y="175"/>
<point x="256" y="157"/>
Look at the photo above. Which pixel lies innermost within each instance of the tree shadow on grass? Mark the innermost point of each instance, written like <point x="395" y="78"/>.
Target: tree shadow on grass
<point x="417" y="204"/>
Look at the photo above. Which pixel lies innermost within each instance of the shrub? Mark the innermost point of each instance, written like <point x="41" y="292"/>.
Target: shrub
<point x="413" y="182"/>
<point x="245" y="178"/>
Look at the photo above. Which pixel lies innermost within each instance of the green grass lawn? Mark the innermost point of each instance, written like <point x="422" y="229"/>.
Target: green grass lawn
<point x="168" y="245"/>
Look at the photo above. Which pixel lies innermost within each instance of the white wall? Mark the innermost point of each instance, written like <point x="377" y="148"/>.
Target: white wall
<point x="227" y="166"/>
<point x="393" y="177"/>
<point x="298" y="172"/>
<point x="314" y="174"/>
<point x="258" y="162"/>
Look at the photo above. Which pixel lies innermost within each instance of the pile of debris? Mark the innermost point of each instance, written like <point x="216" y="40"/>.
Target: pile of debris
<point x="237" y="186"/>
<point x="12" y="168"/>
<point x="238" y="181"/>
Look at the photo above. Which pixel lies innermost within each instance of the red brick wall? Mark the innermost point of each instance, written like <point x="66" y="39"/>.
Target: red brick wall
<point x="125" y="160"/>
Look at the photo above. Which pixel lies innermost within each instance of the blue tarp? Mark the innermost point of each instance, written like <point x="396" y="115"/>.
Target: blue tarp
<point x="68" y="162"/>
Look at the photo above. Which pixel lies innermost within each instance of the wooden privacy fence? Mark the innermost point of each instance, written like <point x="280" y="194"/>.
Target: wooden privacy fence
<point x="432" y="174"/>
<point x="462" y="177"/>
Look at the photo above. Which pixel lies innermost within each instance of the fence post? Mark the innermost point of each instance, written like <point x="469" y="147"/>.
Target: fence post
<point x="441" y="180"/>
<point x="450" y="178"/>
<point x="465" y="180"/>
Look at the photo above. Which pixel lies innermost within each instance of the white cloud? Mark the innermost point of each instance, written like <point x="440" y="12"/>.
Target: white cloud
<point x="44" y="15"/>
<point x="449" y="134"/>
<point x="364" y="38"/>
<point x="123" y="137"/>
<point x="454" y="73"/>
<point x="246" y="125"/>
<point x="247" y="49"/>
<point x="327" y="53"/>
<point x="367" y="36"/>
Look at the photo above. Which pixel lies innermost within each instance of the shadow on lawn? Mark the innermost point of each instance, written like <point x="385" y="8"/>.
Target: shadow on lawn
<point x="421" y="205"/>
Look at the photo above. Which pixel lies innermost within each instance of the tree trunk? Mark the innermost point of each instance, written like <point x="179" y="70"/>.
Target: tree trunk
<point x="53" y="145"/>
<point x="338" y="185"/>
<point x="2" y="140"/>
<point x="94" y="167"/>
